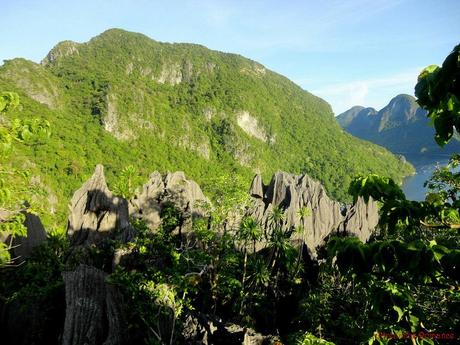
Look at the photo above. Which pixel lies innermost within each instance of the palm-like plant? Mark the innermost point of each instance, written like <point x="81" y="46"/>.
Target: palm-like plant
<point x="277" y="216"/>
<point x="249" y="231"/>
<point x="259" y="273"/>
<point x="279" y="244"/>
<point x="302" y="213"/>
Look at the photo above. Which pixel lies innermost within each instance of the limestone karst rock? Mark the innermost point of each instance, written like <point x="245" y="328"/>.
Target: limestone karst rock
<point x="291" y="193"/>
<point x="288" y="192"/>
<point x="361" y="218"/>
<point x="175" y="188"/>
<point x="93" y="312"/>
<point x="204" y="329"/>
<point x="95" y="212"/>
<point x="36" y="235"/>
<point x="21" y="247"/>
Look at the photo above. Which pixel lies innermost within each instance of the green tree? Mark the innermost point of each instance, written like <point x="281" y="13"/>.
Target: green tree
<point x="409" y="271"/>
<point x="16" y="192"/>
<point x="438" y="91"/>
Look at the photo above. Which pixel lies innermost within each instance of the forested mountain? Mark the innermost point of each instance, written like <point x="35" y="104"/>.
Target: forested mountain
<point x="401" y="126"/>
<point x="172" y="263"/>
<point x="124" y="99"/>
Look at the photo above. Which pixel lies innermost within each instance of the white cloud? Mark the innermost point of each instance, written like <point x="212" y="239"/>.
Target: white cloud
<point x="374" y="92"/>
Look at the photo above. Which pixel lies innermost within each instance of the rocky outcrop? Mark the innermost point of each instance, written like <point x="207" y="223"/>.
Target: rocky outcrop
<point x="93" y="313"/>
<point x="250" y="125"/>
<point x="96" y="213"/>
<point x="206" y="330"/>
<point x="296" y="194"/>
<point x="36" y="235"/>
<point x="21" y="247"/>
<point x="293" y="194"/>
<point x="61" y="50"/>
<point x="360" y="219"/>
<point x="175" y="189"/>
<point x="35" y="81"/>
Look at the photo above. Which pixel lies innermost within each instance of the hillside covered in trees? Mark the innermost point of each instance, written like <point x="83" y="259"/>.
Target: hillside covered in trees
<point x="169" y="263"/>
<point x="122" y="100"/>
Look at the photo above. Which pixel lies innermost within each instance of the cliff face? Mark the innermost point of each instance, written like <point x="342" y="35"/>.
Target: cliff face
<point x="95" y="212"/>
<point x="159" y="191"/>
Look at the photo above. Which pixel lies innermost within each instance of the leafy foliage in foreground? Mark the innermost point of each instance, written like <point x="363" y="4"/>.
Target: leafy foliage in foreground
<point x="438" y="91"/>
<point x="18" y="193"/>
<point x="409" y="273"/>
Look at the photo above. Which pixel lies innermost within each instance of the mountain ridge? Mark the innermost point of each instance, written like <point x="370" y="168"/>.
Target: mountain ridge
<point x="401" y="126"/>
<point x="123" y="99"/>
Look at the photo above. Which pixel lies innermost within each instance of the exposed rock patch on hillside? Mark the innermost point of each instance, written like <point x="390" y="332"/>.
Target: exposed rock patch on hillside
<point x="32" y="79"/>
<point x="250" y="125"/>
<point x="170" y="74"/>
<point x="63" y="49"/>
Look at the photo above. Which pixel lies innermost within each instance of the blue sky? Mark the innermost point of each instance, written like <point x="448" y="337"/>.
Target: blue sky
<point x="360" y="52"/>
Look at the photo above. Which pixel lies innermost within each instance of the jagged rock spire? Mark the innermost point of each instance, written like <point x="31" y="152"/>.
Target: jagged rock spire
<point x="95" y="212"/>
<point x="291" y="193"/>
<point x="175" y="188"/>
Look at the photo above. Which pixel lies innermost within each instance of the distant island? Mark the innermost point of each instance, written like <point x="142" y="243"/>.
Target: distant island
<point x="402" y="127"/>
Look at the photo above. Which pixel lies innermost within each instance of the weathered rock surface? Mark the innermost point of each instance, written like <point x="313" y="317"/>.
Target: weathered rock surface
<point x="291" y="193"/>
<point x="22" y="246"/>
<point x="361" y="218"/>
<point x="95" y="212"/>
<point x="93" y="313"/>
<point x="174" y="188"/>
<point x="36" y="235"/>
<point x="205" y="330"/>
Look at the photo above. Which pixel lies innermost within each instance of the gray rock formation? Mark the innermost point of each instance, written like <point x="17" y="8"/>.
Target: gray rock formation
<point x="206" y="330"/>
<point x="95" y="212"/>
<point x="361" y="219"/>
<point x="292" y="193"/>
<point x="93" y="313"/>
<point x="185" y="195"/>
<point x="36" y="235"/>
<point x="21" y="247"/>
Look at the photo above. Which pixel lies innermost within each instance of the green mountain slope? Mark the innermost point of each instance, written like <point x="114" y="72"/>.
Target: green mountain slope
<point x="124" y="99"/>
<point x="401" y="126"/>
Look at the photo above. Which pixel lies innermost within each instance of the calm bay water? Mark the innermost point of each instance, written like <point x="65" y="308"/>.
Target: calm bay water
<point x="413" y="185"/>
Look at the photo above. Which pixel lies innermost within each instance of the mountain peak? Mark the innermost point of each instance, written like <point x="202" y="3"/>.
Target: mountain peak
<point x="401" y="126"/>
<point x="120" y="34"/>
<point x="401" y="109"/>
<point x="62" y="49"/>
<point x="186" y="107"/>
<point x="403" y="99"/>
<point x="349" y="116"/>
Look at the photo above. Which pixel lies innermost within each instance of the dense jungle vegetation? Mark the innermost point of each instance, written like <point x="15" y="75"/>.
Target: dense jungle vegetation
<point x="401" y="287"/>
